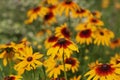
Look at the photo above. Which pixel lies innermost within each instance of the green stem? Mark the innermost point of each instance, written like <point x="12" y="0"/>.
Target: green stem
<point x="65" y="73"/>
<point x="33" y="73"/>
<point x="44" y="73"/>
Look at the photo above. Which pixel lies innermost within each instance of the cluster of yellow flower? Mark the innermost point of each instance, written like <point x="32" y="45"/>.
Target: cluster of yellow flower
<point x="60" y="45"/>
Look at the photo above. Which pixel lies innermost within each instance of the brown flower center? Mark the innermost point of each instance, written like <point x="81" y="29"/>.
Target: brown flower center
<point x="9" y="78"/>
<point x="65" y="32"/>
<point x="36" y="9"/>
<point x="62" y="43"/>
<point x="52" y="38"/>
<point x="104" y="69"/>
<point x="70" y="61"/>
<point x="101" y="33"/>
<point x="48" y="16"/>
<point x="85" y="33"/>
<point x="94" y="20"/>
<point x="68" y="2"/>
<point x="29" y="59"/>
<point x="117" y="61"/>
<point x="115" y="41"/>
<point x="80" y="11"/>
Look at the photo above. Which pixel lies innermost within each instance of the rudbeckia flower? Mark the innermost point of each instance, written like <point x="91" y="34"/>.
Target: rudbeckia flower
<point x="62" y="31"/>
<point x="80" y="13"/>
<point x="28" y="60"/>
<point x="67" y="6"/>
<point x="96" y="14"/>
<point x="85" y="34"/>
<point x="73" y="62"/>
<point x="62" y="46"/>
<point x="103" y="36"/>
<point x="115" y="43"/>
<point x="104" y="72"/>
<point x="52" y="2"/>
<point x="49" y="17"/>
<point x="50" y="41"/>
<point x="12" y="77"/>
<point x="53" y="8"/>
<point x="95" y="21"/>
<point x="8" y="52"/>
<point x="115" y="59"/>
<point x="76" y="78"/>
<point x="34" y="13"/>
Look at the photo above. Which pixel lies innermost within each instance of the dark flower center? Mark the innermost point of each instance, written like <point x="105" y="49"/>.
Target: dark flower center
<point x="101" y="33"/>
<point x="68" y="2"/>
<point x="85" y="33"/>
<point x="65" y="32"/>
<point x="70" y="61"/>
<point x="117" y="61"/>
<point x="115" y="41"/>
<point x="36" y="9"/>
<point x="48" y="16"/>
<point x="52" y="38"/>
<point x="29" y="59"/>
<point x="104" y="69"/>
<point x="94" y="20"/>
<point x="9" y="78"/>
<point x="80" y="11"/>
<point x="62" y="43"/>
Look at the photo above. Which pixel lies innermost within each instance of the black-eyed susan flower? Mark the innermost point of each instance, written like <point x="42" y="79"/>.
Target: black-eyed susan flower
<point x="102" y="71"/>
<point x="50" y="41"/>
<point x="67" y="6"/>
<point x="80" y="13"/>
<point x="49" y="17"/>
<point x="95" y="21"/>
<point x="7" y="52"/>
<point x="103" y="36"/>
<point x="115" y="59"/>
<point x="28" y="60"/>
<point x="62" y="46"/>
<point x="73" y="62"/>
<point x="62" y="31"/>
<point x="85" y="34"/>
<point x="76" y="78"/>
<point x="115" y="43"/>
<point x="34" y="13"/>
<point x="53" y="8"/>
<point x="13" y="77"/>
<point x="96" y="14"/>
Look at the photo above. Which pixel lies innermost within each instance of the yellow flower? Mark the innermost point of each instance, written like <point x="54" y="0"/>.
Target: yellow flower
<point x="28" y="60"/>
<point x="52" y="2"/>
<point x="8" y="52"/>
<point x="76" y="78"/>
<point x="105" y="3"/>
<point x="62" y="46"/>
<point x="53" y="8"/>
<point x="115" y="60"/>
<point x="34" y="13"/>
<point x="73" y="62"/>
<point x="12" y="77"/>
<point x="115" y="43"/>
<point x="95" y="21"/>
<point x="85" y="33"/>
<point x="104" y="72"/>
<point x="96" y="14"/>
<point x="103" y="36"/>
<point x="80" y="13"/>
<point x="49" y="17"/>
<point x="67" y="6"/>
<point x="62" y="31"/>
<point x="50" y="41"/>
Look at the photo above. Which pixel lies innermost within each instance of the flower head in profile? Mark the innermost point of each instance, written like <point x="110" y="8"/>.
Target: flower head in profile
<point x="34" y="13"/>
<point x="76" y="78"/>
<point x="28" y="60"/>
<point x="102" y="71"/>
<point x="12" y="77"/>
<point x="62" y="31"/>
<point x="73" y="62"/>
<point x="115" y="43"/>
<point x="95" y="21"/>
<point x="103" y="36"/>
<point x="116" y="59"/>
<point x="80" y="13"/>
<point x="62" y="46"/>
<point x="67" y="6"/>
<point x="7" y="52"/>
<point x="85" y="34"/>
